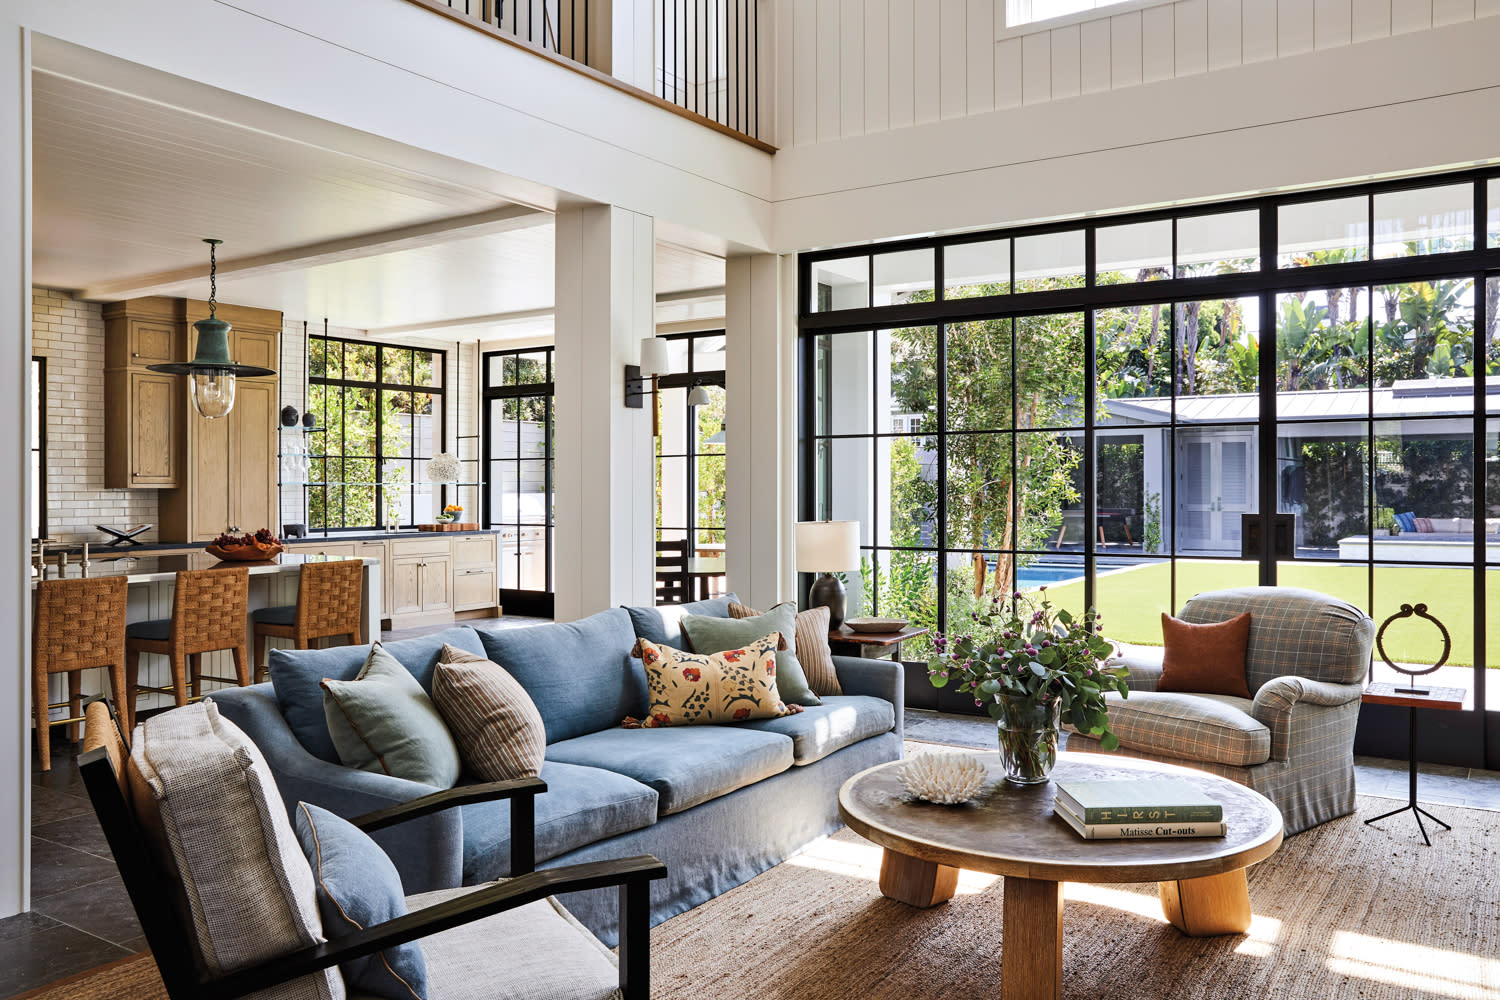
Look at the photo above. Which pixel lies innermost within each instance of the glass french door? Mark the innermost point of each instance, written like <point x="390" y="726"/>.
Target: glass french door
<point x="518" y="434"/>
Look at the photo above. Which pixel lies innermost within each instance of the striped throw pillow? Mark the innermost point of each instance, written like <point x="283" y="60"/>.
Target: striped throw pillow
<point x="496" y="725"/>
<point x="813" y="651"/>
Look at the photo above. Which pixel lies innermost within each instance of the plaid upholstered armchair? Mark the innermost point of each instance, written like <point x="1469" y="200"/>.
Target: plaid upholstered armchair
<point x="1293" y="740"/>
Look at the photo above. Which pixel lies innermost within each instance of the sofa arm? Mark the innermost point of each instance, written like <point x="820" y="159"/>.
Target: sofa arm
<point x="1144" y="664"/>
<point x="877" y="678"/>
<point x="1278" y="697"/>
<point x="428" y="852"/>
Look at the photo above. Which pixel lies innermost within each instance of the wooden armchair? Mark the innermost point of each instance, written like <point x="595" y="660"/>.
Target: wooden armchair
<point x="460" y="922"/>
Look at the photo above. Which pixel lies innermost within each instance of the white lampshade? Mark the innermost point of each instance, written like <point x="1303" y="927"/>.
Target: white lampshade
<point x="698" y="397"/>
<point x="654" y="356"/>
<point x="827" y="546"/>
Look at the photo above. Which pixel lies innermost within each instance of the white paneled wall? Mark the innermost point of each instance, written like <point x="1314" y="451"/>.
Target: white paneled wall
<point x="860" y="66"/>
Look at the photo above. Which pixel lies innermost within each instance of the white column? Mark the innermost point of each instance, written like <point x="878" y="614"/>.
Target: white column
<point x="633" y="36"/>
<point x="760" y="427"/>
<point x="15" y="596"/>
<point x="605" y="537"/>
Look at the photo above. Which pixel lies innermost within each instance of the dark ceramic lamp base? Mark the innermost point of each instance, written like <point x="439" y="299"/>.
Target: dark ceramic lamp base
<point x="828" y="592"/>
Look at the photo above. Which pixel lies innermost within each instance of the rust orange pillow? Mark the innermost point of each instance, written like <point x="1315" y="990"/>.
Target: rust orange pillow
<point x="1205" y="659"/>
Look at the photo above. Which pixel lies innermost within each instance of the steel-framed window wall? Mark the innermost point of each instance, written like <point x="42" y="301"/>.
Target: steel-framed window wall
<point x="685" y="455"/>
<point x="518" y="463"/>
<point x="359" y="468"/>
<point x="860" y="308"/>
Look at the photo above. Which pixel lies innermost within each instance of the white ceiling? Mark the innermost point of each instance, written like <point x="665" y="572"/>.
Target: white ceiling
<point x="126" y="186"/>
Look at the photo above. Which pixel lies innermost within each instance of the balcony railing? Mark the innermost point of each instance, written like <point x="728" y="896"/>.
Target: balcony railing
<point x="707" y="52"/>
<point x="708" y="60"/>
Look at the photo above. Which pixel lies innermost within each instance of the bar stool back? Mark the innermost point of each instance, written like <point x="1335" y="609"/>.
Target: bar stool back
<point x="329" y="596"/>
<point x="208" y="614"/>
<point x="77" y="625"/>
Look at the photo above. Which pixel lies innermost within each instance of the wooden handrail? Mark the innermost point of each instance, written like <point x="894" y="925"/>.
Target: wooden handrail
<point x="593" y="74"/>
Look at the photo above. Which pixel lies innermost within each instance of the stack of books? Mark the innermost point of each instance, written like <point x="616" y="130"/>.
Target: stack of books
<point x="1138" y="809"/>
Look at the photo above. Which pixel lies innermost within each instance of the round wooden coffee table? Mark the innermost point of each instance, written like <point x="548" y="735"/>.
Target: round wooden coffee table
<point x="1010" y="830"/>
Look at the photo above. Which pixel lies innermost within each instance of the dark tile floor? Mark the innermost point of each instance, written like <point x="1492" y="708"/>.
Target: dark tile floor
<point x="81" y="916"/>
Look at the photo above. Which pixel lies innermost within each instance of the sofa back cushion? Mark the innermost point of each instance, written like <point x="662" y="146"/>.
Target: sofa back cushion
<point x="663" y="625"/>
<point x="297" y="675"/>
<point x="580" y="675"/>
<point x="1292" y="631"/>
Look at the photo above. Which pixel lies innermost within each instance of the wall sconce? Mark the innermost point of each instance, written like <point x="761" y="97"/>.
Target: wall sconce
<point x="653" y="363"/>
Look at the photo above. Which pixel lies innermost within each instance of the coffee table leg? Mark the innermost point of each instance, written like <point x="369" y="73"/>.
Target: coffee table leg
<point x="1204" y="907"/>
<point x="1031" y="940"/>
<point x="914" y="881"/>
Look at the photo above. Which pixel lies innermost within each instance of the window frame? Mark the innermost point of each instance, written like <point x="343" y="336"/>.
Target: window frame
<point x="692" y="452"/>
<point x="380" y="458"/>
<point x="39" y="450"/>
<point x="1266" y="282"/>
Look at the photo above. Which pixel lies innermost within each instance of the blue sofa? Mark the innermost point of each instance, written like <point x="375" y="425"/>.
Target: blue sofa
<point x="717" y="804"/>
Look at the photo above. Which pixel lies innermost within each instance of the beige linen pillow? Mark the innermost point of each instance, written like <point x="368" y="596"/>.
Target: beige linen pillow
<point x="496" y="725"/>
<point x="813" y="651"/>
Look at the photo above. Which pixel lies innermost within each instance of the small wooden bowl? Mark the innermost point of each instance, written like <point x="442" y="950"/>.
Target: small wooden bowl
<point x="876" y="625"/>
<point x="258" y="552"/>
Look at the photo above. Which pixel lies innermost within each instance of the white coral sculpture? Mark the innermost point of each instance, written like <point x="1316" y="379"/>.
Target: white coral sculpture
<point x="944" y="778"/>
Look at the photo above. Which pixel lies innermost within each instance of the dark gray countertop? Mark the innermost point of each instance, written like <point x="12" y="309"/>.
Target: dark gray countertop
<point x="104" y="550"/>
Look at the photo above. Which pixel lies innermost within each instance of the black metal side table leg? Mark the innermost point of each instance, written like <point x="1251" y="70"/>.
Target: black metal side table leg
<point x="1411" y="803"/>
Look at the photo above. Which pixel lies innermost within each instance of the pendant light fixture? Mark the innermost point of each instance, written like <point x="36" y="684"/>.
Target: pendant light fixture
<point x="212" y="372"/>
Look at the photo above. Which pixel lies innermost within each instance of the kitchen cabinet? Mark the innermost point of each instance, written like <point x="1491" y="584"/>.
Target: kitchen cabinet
<point x="475" y="585"/>
<point x="377" y="550"/>
<point x="143" y="419"/>
<point x="227" y="479"/>
<point x="421" y="579"/>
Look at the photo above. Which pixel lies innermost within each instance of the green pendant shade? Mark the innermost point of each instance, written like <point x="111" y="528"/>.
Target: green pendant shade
<point x="212" y="369"/>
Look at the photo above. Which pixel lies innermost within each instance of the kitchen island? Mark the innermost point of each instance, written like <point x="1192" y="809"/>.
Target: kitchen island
<point x="151" y="581"/>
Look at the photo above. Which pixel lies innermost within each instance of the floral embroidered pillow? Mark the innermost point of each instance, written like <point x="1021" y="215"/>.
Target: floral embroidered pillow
<point x="695" y="689"/>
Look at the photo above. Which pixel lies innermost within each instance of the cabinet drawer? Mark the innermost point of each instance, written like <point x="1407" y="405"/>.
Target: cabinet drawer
<point x="474" y="589"/>
<point x="324" y="548"/>
<point x="474" y="550"/>
<point x="420" y="547"/>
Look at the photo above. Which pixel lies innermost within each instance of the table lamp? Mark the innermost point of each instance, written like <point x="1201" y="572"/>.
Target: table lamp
<point x="827" y="547"/>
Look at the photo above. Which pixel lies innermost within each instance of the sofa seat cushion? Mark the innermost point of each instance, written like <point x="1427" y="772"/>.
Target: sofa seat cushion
<point x="686" y="765"/>
<point x="1200" y="727"/>
<point x="841" y="721"/>
<point x="581" y="805"/>
<point x="298" y="674"/>
<point x="536" y="950"/>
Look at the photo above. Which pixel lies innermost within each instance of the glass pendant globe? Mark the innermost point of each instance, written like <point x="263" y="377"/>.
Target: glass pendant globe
<point x="213" y="393"/>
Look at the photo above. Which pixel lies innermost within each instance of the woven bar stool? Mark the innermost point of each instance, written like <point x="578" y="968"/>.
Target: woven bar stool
<point x="329" y="595"/>
<point x="76" y="625"/>
<point x="208" y="614"/>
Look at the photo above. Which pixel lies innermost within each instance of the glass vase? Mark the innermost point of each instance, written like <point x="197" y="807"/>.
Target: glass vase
<point x="1028" y="739"/>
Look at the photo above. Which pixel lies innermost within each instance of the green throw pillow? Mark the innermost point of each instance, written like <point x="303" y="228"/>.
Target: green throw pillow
<point x="714" y="635"/>
<point x="383" y="721"/>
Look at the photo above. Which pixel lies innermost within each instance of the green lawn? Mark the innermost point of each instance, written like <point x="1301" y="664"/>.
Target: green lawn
<point x="1132" y="600"/>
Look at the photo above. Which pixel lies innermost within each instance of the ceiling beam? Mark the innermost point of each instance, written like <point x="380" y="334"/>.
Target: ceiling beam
<point x="505" y="219"/>
<point x="459" y="322"/>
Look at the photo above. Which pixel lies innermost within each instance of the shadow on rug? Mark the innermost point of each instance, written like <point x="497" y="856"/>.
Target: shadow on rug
<point x="1343" y="910"/>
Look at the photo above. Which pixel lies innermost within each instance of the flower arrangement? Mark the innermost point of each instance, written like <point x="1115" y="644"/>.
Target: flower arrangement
<point x="451" y="512"/>
<point x="1030" y="664"/>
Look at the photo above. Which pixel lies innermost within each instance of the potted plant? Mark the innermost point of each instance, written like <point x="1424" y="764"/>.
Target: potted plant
<point x="1032" y="665"/>
<point x="1385" y="521"/>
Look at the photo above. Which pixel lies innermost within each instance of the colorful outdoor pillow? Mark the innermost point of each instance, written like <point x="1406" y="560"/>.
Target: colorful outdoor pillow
<point x="811" y="643"/>
<point x="1205" y="659"/>
<point x="693" y="689"/>
<point x="713" y="635"/>
<point x="383" y="721"/>
<point x="497" y="727"/>
<point x="1407" y="522"/>
<point x="359" y="887"/>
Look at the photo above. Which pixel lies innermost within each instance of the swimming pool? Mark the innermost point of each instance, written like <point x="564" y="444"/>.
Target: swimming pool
<point x="1032" y="577"/>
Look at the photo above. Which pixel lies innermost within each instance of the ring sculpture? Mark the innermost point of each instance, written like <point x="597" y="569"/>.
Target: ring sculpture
<point x="1409" y="611"/>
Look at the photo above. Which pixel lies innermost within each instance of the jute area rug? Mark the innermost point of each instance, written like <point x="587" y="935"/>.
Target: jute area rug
<point x="1341" y="911"/>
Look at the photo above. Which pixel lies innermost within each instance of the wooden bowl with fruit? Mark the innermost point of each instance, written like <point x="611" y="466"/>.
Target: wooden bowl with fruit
<point x="245" y="548"/>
